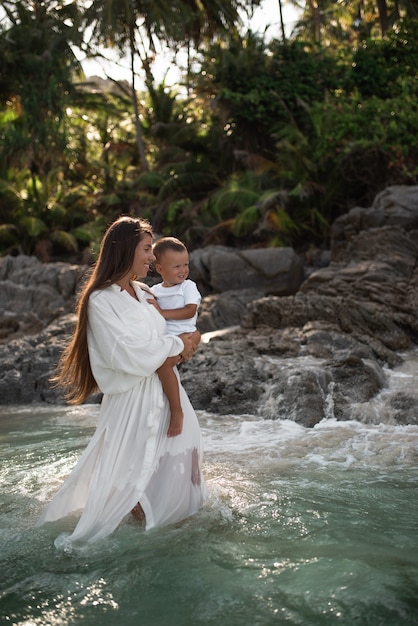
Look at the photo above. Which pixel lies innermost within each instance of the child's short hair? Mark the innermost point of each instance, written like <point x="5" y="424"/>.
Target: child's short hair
<point x="167" y="243"/>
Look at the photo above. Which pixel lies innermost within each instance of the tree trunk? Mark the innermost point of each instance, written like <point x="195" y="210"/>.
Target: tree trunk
<point x="383" y="16"/>
<point x="314" y="13"/>
<point x="139" y="138"/>
<point x="281" y="21"/>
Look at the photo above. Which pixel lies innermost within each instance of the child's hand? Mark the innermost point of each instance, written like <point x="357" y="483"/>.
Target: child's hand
<point x="155" y="304"/>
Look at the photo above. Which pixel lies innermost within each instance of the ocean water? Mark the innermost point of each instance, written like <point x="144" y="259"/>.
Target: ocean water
<point x="303" y="527"/>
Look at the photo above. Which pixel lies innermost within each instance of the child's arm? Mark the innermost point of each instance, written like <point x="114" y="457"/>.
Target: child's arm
<point x="184" y="313"/>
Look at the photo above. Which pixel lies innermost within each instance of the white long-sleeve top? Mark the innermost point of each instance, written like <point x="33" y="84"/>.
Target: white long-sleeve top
<point x="126" y="338"/>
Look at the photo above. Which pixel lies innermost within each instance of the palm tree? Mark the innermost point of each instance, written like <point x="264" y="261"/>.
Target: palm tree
<point x="281" y="21"/>
<point x="140" y="24"/>
<point x="332" y="21"/>
<point x="37" y="66"/>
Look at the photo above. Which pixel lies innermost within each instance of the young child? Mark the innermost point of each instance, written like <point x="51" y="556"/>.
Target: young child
<point x="177" y="299"/>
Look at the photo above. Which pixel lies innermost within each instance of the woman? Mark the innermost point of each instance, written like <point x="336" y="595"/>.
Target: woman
<point x="120" y="341"/>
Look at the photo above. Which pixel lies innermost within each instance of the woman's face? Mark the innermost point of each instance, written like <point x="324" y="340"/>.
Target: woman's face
<point x="143" y="257"/>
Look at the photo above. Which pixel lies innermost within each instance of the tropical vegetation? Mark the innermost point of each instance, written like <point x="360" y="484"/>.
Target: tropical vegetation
<point x="264" y="142"/>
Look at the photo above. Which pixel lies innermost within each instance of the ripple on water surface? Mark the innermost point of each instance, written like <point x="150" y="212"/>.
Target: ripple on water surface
<point x="303" y="527"/>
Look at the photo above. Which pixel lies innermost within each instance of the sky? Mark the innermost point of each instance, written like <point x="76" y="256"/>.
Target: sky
<point x="265" y="16"/>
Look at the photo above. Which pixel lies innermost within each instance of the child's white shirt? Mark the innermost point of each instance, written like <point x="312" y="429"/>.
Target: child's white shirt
<point x="177" y="297"/>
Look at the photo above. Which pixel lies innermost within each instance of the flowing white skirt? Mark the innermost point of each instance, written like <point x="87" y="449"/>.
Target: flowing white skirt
<point x="130" y="459"/>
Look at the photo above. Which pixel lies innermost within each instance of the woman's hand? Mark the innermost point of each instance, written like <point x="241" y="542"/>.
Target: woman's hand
<point x="189" y="346"/>
<point x="196" y="336"/>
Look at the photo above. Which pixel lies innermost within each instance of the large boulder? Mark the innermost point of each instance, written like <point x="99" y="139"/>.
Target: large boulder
<point x="28" y="363"/>
<point x="33" y="294"/>
<point x="217" y="269"/>
<point x="225" y="309"/>
<point x="394" y="206"/>
<point x="303" y="374"/>
<point x="271" y="270"/>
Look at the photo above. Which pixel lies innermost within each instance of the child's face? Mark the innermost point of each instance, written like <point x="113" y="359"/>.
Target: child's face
<point x="173" y="267"/>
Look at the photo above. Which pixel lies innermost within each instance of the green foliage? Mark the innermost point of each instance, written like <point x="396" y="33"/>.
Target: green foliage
<point x="9" y="234"/>
<point x="64" y="240"/>
<point x="245" y="221"/>
<point x="380" y="67"/>
<point x="240" y="192"/>
<point x="33" y="226"/>
<point x="150" y="180"/>
<point x="258" y="87"/>
<point x="271" y="144"/>
<point x="36" y="70"/>
<point x="248" y="211"/>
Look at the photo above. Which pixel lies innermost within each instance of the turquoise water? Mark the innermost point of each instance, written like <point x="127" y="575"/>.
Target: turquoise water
<point x="303" y="526"/>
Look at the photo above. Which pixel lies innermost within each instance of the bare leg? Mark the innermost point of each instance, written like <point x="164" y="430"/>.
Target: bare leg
<point x="171" y="389"/>
<point x="195" y="467"/>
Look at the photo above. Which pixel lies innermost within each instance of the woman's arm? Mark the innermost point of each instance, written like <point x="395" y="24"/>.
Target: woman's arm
<point x="122" y="341"/>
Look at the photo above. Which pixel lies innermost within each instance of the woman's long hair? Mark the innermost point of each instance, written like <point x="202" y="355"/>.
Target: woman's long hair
<point x="114" y="262"/>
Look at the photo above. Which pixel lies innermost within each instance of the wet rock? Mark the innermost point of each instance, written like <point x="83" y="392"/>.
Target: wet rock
<point x="270" y="373"/>
<point x="225" y="309"/>
<point x="304" y="356"/>
<point x="33" y="294"/>
<point x="28" y="363"/>
<point x="404" y="408"/>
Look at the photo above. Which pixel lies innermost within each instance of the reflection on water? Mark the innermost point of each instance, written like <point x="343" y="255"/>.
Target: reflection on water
<point x="303" y="527"/>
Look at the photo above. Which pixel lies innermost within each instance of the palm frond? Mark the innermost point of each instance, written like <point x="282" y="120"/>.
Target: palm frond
<point x="33" y="226"/>
<point x="246" y="221"/>
<point x="8" y="233"/>
<point x="64" y="240"/>
<point x="151" y="181"/>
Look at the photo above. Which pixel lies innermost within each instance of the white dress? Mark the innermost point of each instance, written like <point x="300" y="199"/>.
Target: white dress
<point x="130" y="459"/>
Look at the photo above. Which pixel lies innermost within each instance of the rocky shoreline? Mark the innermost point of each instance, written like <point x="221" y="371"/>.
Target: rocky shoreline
<point x="298" y="336"/>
